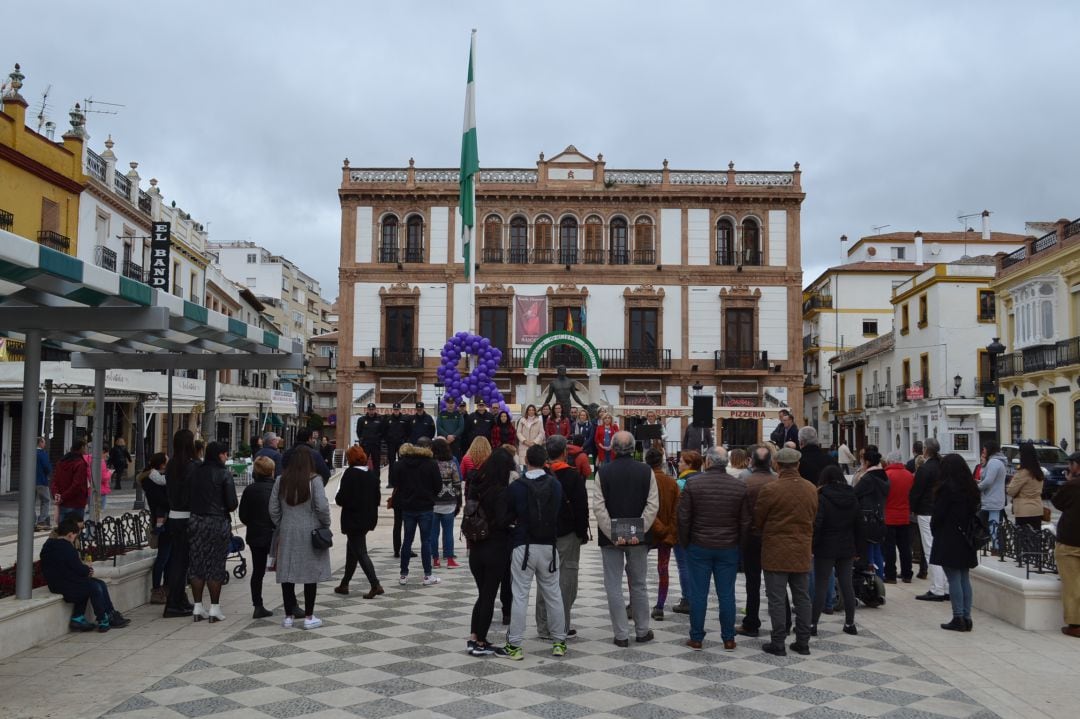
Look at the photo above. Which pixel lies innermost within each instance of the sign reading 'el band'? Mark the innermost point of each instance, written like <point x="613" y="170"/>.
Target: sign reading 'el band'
<point x="159" y="255"/>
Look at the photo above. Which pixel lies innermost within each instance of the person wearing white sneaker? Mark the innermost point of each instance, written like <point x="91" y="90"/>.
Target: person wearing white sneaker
<point x="298" y="506"/>
<point x="212" y="497"/>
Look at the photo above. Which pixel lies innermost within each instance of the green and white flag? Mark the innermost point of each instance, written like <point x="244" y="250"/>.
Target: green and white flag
<point x="470" y="162"/>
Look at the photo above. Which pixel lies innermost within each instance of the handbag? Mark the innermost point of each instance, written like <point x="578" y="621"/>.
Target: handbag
<point x="1046" y="514"/>
<point x="976" y="532"/>
<point x="321" y="537"/>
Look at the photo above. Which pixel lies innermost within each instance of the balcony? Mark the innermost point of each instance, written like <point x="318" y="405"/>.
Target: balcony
<point x="324" y="387"/>
<point x="741" y="360"/>
<point x="568" y="256"/>
<point x="133" y="271"/>
<point x="519" y="255"/>
<point x="725" y="256"/>
<point x="877" y="400"/>
<point x="122" y="185"/>
<point x="388" y="253"/>
<point x="852" y="405"/>
<point x="493" y="255"/>
<point x="912" y="392"/>
<point x="809" y="342"/>
<point x="543" y="256"/>
<point x="144" y="202"/>
<point x="404" y="359"/>
<point x="752" y="257"/>
<point x="105" y="258"/>
<point x="54" y="240"/>
<point x="320" y="362"/>
<point x="414" y="253"/>
<point x="618" y="256"/>
<point x="644" y="257"/>
<point x="7" y="220"/>
<point x="1039" y="359"/>
<point x="610" y="359"/>
<point x="592" y="256"/>
<point x="817" y="301"/>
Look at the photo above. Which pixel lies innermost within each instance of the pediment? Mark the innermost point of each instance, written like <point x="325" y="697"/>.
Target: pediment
<point x="571" y="156"/>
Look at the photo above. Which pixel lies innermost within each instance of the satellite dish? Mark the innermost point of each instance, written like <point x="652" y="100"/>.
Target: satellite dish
<point x="935" y="249"/>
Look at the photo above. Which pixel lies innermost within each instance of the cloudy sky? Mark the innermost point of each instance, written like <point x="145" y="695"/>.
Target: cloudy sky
<point x="902" y="114"/>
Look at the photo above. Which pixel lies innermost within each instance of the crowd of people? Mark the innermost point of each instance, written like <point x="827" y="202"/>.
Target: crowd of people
<point x="785" y="515"/>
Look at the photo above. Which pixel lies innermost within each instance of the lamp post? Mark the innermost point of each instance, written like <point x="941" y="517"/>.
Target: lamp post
<point x="698" y="387"/>
<point x="439" y="391"/>
<point x="995" y="349"/>
<point x="956" y="382"/>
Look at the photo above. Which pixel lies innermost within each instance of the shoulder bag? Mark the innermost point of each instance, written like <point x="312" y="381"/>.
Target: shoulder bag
<point x="321" y="537"/>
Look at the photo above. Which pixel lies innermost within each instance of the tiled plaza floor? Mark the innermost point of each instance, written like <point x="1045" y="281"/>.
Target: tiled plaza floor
<point x="402" y="655"/>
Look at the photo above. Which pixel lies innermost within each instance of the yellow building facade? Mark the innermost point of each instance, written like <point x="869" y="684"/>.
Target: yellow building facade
<point x="40" y="179"/>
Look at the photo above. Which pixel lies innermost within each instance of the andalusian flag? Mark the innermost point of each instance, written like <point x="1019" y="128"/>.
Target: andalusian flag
<point x="470" y="161"/>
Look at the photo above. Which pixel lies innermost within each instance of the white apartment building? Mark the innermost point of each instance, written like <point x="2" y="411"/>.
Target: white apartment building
<point x="926" y="377"/>
<point x="851" y="304"/>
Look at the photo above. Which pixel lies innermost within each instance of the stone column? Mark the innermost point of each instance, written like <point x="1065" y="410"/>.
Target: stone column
<point x="531" y="375"/>
<point x="594" y="385"/>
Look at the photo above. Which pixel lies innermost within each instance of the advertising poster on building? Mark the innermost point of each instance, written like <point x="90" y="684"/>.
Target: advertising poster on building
<point x="159" y="255"/>
<point x="530" y="318"/>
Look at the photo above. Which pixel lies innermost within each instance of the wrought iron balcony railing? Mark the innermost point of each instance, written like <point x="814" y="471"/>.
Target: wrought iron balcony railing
<point x="105" y="258"/>
<point x="133" y="271"/>
<point x="741" y="360"/>
<point x="644" y="257"/>
<point x="405" y="359"/>
<point x="7" y="220"/>
<point x="54" y="240"/>
<point x="493" y="255"/>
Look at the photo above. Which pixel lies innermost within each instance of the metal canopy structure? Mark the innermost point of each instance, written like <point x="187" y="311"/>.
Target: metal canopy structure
<point x="108" y="321"/>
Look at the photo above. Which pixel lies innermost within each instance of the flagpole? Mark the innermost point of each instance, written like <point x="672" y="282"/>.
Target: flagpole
<point x="471" y="269"/>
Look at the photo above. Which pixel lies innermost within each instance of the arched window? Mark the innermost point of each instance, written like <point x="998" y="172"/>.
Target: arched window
<point x="388" y="242"/>
<point x="751" y="242"/>
<point x="620" y="245"/>
<point x="544" y="238"/>
<point x="1016" y="422"/>
<point x="493" y="239"/>
<point x="594" y="241"/>
<point x="644" y="248"/>
<point x="519" y="241"/>
<point x="725" y="242"/>
<point x="568" y="248"/>
<point x="414" y="239"/>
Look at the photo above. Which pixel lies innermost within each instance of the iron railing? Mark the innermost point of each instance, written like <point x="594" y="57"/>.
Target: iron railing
<point x="644" y="257"/>
<point x="95" y="165"/>
<point x="543" y="256"/>
<point x="1041" y="358"/>
<point x="144" y="202"/>
<point x="809" y="341"/>
<point x="609" y="358"/>
<point x="133" y="271"/>
<point x="413" y="253"/>
<point x="618" y="256"/>
<point x="404" y="358"/>
<point x="105" y="258"/>
<point x="725" y="256"/>
<point x="113" y="536"/>
<point x="1031" y="549"/>
<point x="592" y="256"/>
<point x="752" y="257"/>
<point x="388" y="253"/>
<point x="7" y="220"/>
<point x="54" y="240"/>
<point x="568" y="255"/>
<point x="122" y="185"/>
<point x="519" y="255"/>
<point x="741" y="360"/>
<point x="493" y="255"/>
<point x="817" y="301"/>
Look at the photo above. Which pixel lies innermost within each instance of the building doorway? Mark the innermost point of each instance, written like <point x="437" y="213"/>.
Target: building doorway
<point x="1047" y="427"/>
<point x="739" y="432"/>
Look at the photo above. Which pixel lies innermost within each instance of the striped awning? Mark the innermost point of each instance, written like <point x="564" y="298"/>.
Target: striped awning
<point x="32" y="275"/>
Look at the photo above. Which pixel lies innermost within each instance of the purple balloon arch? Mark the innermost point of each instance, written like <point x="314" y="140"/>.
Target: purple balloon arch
<point x="480" y="383"/>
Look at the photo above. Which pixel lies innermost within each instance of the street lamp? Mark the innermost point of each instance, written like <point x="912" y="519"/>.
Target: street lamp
<point x="995" y="349"/>
<point x="698" y="387"/>
<point x="956" y="382"/>
<point x="439" y="391"/>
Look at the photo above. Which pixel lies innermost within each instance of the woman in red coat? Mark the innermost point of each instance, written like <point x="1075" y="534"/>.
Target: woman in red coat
<point x="558" y="422"/>
<point x="604" y="434"/>
<point x="502" y="432"/>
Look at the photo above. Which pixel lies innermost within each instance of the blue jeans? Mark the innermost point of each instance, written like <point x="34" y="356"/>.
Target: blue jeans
<point x="959" y="591"/>
<point x="684" y="571"/>
<point x="721" y="566"/>
<point x="98" y="595"/>
<point x="412" y="520"/>
<point x="877" y="557"/>
<point x="446" y="523"/>
<point x="66" y="512"/>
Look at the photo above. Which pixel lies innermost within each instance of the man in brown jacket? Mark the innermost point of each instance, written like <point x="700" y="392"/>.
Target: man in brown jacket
<point x="714" y="517"/>
<point x="784" y="516"/>
<point x="757" y="476"/>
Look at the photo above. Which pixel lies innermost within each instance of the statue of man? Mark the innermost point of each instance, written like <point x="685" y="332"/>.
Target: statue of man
<point x="562" y="387"/>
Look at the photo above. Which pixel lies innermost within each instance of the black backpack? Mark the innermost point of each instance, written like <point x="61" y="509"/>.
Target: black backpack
<point x="542" y="509"/>
<point x="474" y="523"/>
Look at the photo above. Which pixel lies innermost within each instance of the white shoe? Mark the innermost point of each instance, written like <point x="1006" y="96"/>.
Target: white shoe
<point x="430" y="580"/>
<point x="312" y="623"/>
<point x="287" y="622"/>
<point x="199" y="612"/>
<point x="215" y="614"/>
<point x="404" y="579"/>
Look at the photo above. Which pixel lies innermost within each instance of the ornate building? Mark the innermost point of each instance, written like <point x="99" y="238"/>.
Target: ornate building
<point x="676" y="277"/>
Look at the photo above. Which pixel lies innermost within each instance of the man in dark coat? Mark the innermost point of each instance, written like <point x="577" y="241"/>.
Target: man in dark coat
<point x="370" y="431"/>
<point x="416" y="482"/>
<point x="480" y="423"/>
<point x="270" y="449"/>
<point x="421" y="425"/>
<point x="68" y="575"/>
<point x="814" y="458"/>
<point x="397" y="429"/>
<point x="304" y="444"/>
<point x="785" y="431"/>
<point x="255" y="514"/>
<point x="120" y="459"/>
<point x="921" y="500"/>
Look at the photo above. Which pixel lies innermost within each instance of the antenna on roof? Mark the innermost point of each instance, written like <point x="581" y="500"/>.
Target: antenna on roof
<point x="878" y="228"/>
<point x="963" y="217"/>
<point x="88" y="107"/>
<point x="43" y="107"/>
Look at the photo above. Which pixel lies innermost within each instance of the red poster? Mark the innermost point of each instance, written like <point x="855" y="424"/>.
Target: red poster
<point x="530" y="319"/>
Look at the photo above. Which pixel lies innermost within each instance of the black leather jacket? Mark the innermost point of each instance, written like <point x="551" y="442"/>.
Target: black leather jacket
<point x="212" y="490"/>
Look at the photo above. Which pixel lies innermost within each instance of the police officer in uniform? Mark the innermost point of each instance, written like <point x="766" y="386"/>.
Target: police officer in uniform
<point x="481" y="421"/>
<point x="397" y="428"/>
<point x="421" y="424"/>
<point x="370" y="430"/>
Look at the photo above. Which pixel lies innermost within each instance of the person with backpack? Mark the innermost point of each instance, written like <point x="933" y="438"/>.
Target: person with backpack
<point x="535" y="502"/>
<point x="625" y="489"/>
<point x="486" y="526"/>
<point x="872" y="491"/>
<point x="573" y="531"/>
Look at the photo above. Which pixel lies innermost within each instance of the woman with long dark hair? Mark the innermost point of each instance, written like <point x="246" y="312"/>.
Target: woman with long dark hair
<point x="1026" y="488"/>
<point x="298" y="506"/>
<point x="956" y="503"/>
<point x="837" y="537"/>
<point x="489" y="560"/>
<point x="213" y="498"/>
<point x="358" y="496"/>
<point x="178" y="474"/>
<point x="503" y="431"/>
<point x="558" y="422"/>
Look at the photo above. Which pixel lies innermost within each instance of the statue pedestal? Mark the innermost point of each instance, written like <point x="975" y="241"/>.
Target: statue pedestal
<point x="531" y="392"/>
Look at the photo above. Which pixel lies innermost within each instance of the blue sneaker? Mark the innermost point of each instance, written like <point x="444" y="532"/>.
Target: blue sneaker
<point x="79" y="624"/>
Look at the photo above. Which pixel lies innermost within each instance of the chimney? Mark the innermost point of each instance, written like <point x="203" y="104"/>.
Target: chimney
<point x="986" y="224"/>
<point x="918" y="248"/>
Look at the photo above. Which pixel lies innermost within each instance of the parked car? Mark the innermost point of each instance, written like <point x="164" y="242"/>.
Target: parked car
<point x="1053" y="460"/>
